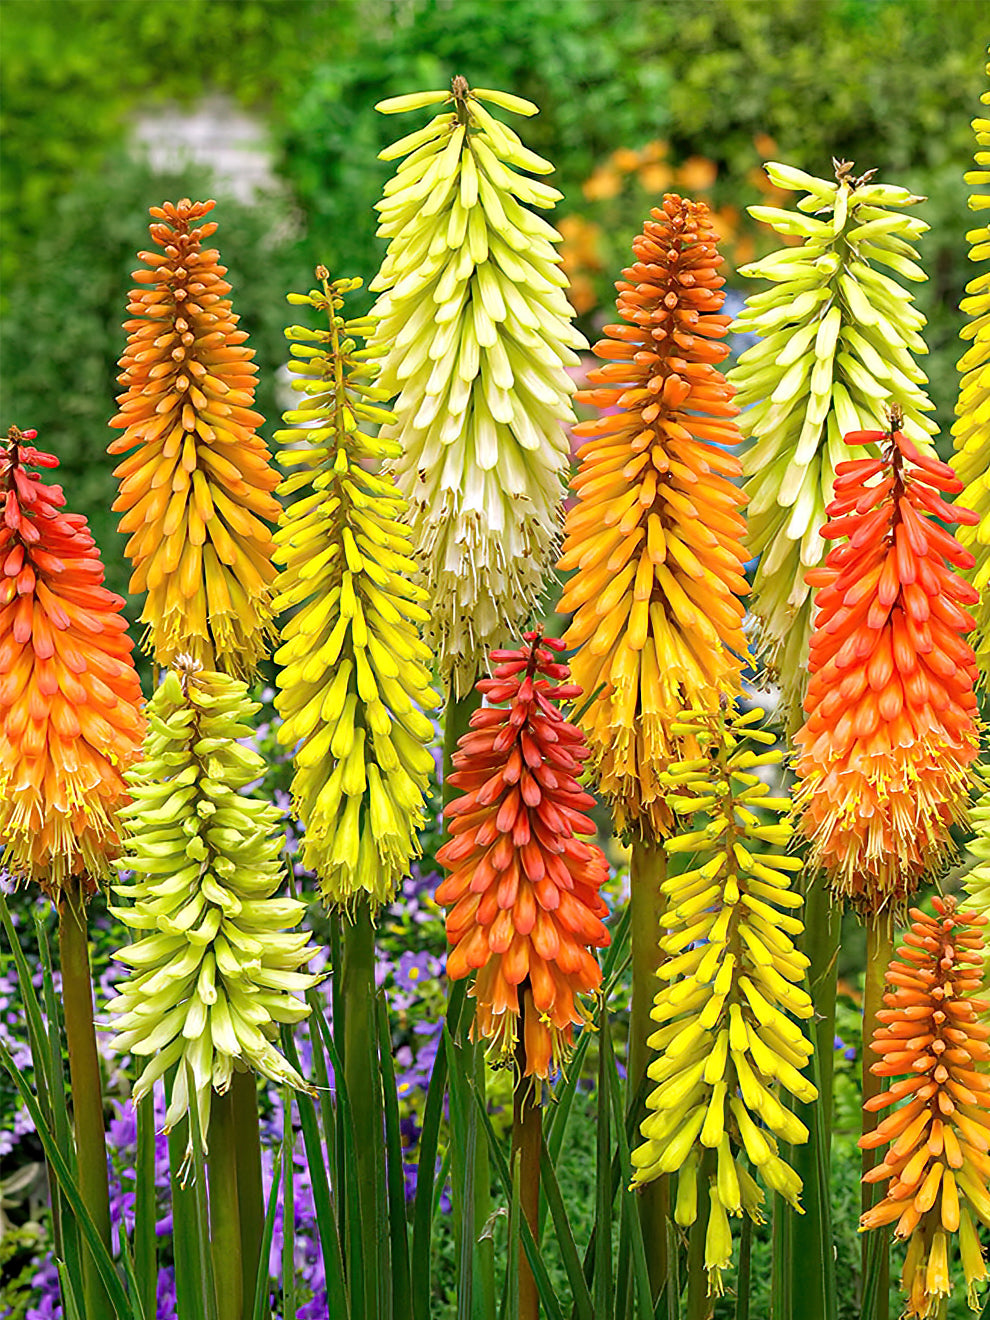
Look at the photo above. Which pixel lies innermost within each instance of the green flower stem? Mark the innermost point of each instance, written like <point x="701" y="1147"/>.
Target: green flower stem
<point x="225" y="1217"/>
<point x="527" y="1140"/>
<point x="364" y="1092"/>
<point x="188" y="1234"/>
<point x="879" y="952"/>
<point x="250" y="1194"/>
<point x="648" y="868"/>
<point x="87" y="1094"/>
<point x="457" y="719"/>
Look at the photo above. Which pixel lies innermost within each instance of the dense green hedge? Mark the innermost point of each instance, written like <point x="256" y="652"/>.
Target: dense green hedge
<point x="888" y="83"/>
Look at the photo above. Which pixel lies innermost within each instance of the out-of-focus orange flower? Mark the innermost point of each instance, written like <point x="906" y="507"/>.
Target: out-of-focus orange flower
<point x="890" y="729"/>
<point x="603" y="184"/>
<point x="70" y="717"/>
<point x="656" y="536"/>
<point x="625" y="160"/>
<point x="766" y="146"/>
<point x="937" y="1162"/>
<point x="196" y="494"/>
<point x="523" y="890"/>
<point x="697" y="174"/>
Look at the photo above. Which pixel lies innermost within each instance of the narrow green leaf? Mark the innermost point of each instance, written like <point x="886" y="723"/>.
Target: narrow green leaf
<point x="133" y="1289"/>
<point x="261" y="1291"/>
<point x="326" y="1222"/>
<point x="188" y="1233"/>
<point x="512" y="1246"/>
<point x="565" y="1238"/>
<point x="463" y="1137"/>
<point x="352" y="1232"/>
<point x="288" y="1211"/>
<point x="641" y="1277"/>
<point x="199" y="1196"/>
<point x="70" y="1294"/>
<point x="427" y="1194"/>
<point x="398" y="1228"/>
<point x="604" y="1198"/>
<point x="145" y="1208"/>
<point x="744" y="1272"/>
<point x="101" y="1257"/>
<point x="37" y="1035"/>
<point x="548" y="1297"/>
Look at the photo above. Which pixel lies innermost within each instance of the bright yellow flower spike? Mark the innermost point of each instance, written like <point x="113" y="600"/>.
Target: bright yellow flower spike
<point x="837" y="338"/>
<point x="727" y="1044"/>
<point x="972" y="427"/>
<point x="355" y="678"/>
<point x="196" y="493"/>
<point x="477" y="336"/>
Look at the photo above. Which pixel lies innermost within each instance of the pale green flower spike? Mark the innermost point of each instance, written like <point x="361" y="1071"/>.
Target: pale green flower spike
<point x="478" y="335"/>
<point x="836" y="350"/>
<point x="355" y="678"/>
<point x="971" y="430"/>
<point x="218" y="969"/>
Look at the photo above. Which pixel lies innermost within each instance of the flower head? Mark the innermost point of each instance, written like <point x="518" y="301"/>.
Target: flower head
<point x="196" y="494"/>
<point x="70" y="701"/>
<point x="523" y="889"/>
<point x="726" y="1044"/>
<point x="837" y="336"/>
<point x="970" y="429"/>
<point x="355" y="678"/>
<point x="217" y="961"/>
<point x="937" y="1163"/>
<point x="656" y="535"/>
<point x="477" y="336"/>
<point x="890" y="732"/>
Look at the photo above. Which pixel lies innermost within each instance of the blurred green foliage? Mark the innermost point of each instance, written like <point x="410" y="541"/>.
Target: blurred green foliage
<point x="891" y="84"/>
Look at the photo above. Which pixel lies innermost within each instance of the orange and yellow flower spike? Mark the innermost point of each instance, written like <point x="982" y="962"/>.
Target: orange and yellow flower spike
<point x="937" y="1163"/>
<point x="727" y="1048"/>
<point x="971" y="430"/>
<point x="523" y="889"/>
<point x="890" y="733"/>
<point x="196" y="494"/>
<point x="656" y="533"/>
<point x="70" y="701"/>
<point x="355" y="682"/>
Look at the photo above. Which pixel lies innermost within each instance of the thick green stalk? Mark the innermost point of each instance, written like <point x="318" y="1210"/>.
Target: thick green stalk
<point x="527" y="1140"/>
<point x="188" y="1232"/>
<point x="364" y="1093"/>
<point x="250" y="1194"/>
<point x="87" y="1095"/>
<point x="647" y="871"/>
<point x="879" y="952"/>
<point x="457" y="719"/>
<point x="225" y="1216"/>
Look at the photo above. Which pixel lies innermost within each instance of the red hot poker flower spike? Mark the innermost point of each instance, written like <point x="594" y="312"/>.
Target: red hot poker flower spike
<point x="890" y="729"/>
<point x="937" y="1163"/>
<point x="70" y="719"/>
<point x="523" y="889"/>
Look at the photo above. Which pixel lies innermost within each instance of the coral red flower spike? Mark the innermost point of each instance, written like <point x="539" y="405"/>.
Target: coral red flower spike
<point x="937" y="1162"/>
<point x="70" y="719"/>
<point x="523" y="889"/>
<point x="891" y="713"/>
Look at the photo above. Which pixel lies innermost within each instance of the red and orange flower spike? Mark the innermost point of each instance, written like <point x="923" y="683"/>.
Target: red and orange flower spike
<point x="656" y="533"/>
<point x="891" y="714"/>
<point x="70" y="701"/>
<point x="196" y="494"/>
<point x="523" y="889"/>
<point x="937" y="1162"/>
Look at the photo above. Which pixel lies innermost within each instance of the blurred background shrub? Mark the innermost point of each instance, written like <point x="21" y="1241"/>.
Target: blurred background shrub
<point x="638" y="97"/>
